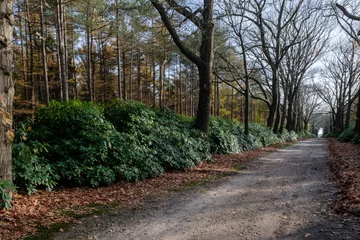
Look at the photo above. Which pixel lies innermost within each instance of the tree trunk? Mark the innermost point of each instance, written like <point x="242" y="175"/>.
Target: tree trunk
<point x="118" y="52"/>
<point x="139" y="95"/>
<point x="357" y="124"/>
<point x="124" y="74"/>
<point x="118" y="58"/>
<point x="131" y="73"/>
<point x="61" y="39"/>
<point x="6" y="89"/>
<point x="89" y="57"/>
<point x="31" y="93"/>
<point x="43" y="52"/>
<point x="274" y="104"/>
<point x="205" y="68"/>
<point x="204" y="62"/>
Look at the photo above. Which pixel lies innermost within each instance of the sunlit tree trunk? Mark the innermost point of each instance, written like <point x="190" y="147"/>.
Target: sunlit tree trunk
<point x="6" y="88"/>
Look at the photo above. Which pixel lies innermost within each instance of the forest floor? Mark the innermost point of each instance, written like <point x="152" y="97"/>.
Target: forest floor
<point x="260" y="194"/>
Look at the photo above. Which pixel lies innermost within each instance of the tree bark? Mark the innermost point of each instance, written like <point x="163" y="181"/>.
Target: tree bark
<point x="61" y="40"/>
<point x="89" y="57"/>
<point x="6" y="89"/>
<point x="204" y="62"/>
<point x="43" y="52"/>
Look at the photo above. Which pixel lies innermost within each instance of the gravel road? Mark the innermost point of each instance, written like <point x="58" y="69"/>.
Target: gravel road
<point x="285" y="195"/>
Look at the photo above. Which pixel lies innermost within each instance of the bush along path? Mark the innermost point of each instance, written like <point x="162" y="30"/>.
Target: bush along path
<point x="284" y="195"/>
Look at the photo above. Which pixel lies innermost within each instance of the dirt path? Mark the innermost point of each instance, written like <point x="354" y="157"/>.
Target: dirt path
<point x="285" y="195"/>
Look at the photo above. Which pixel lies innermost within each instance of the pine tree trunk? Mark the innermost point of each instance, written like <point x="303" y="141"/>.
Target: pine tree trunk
<point x="6" y="89"/>
<point x="43" y="52"/>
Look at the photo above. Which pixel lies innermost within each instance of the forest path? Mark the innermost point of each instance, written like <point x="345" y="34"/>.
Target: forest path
<point x="285" y="195"/>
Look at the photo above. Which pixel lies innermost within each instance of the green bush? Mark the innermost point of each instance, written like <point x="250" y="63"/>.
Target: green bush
<point x="78" y="137"/>
<point x="287" y="136"/>
<point x="306" y="134"/>
<point x="347" y="135"/>
<point x="30" y="169"/>
<point x="163" y="140"/>
<point x="6" y="190"/>
<point x="263" y="136"/>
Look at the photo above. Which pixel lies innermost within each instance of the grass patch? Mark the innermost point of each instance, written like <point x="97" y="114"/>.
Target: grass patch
<point x="48" y="232"/>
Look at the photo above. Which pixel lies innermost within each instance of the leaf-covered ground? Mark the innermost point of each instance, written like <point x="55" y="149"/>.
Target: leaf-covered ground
<point x="345" y="166"/>
<point x="44" y="209"/>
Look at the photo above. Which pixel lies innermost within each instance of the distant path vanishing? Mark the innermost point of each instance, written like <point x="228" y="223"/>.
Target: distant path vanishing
<point x="285" y="195"/>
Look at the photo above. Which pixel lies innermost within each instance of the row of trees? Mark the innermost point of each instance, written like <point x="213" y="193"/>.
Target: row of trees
<point x="251" y="59"/>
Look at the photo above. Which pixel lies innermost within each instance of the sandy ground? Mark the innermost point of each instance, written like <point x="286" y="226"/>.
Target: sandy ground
<point x="285" y="195"/>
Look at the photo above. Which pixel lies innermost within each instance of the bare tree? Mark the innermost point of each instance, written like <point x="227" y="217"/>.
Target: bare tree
<point x="347" y="25"/>
<point x="6" y="89"/>
<point x="203" y="61"/>
<point x="341" y="76"/>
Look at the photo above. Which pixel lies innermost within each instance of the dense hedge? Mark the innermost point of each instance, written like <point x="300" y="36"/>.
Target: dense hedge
<point x="82" y="143"/>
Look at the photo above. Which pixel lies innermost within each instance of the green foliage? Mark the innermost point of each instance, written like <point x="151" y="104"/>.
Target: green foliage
<point x="72" y="143"/>
<point x="306" y="134"/>
<point x="129" y="116"/>
<point x="227" y="136"/>
<point x="160" y="140"/>
<point x="6" y="190"/>
<point x="263" y="136"/>
<point x="79" y="140"/>
<point x="286" y="136"/>
<point x="81" y="143"/>
<point x="30" y="169"/>
<point x="347" y="135"/>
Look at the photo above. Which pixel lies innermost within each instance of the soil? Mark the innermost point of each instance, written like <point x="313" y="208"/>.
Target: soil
<point x="284" y="195"/>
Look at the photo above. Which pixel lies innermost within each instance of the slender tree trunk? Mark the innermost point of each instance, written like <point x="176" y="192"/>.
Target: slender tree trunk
<point x="30" y="56"/>
<point x="6" y="89"/>
<point x="161" y="85"/>
<point x="124" y="74"/>
<point x="118" y="51"/>
<point x="139" y="95"/>
<point x="180" y="88"/>
<point x="89" y="56"/>
<point x="131" y="73"/>
<point x="43" y="52"/>
<point x="74" y="68"/>
<point x="22" y="52"/>
<point x="61" y="39"/>
<point x="154" y="83"/>
<point x="118" y="58"/>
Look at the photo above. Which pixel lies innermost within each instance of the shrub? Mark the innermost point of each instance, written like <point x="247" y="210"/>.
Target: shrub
<point x="78" y="137"/>
<point x="128" y="116"/>
<point x="347" y="135"/>
<point x="6" y="190"/>
<point x="224" y="135"/>
<point x="263" y="136"/>
<point x="163" y="139"/>
<point x="306" y="134"/>
<point x="30" y="168"/>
